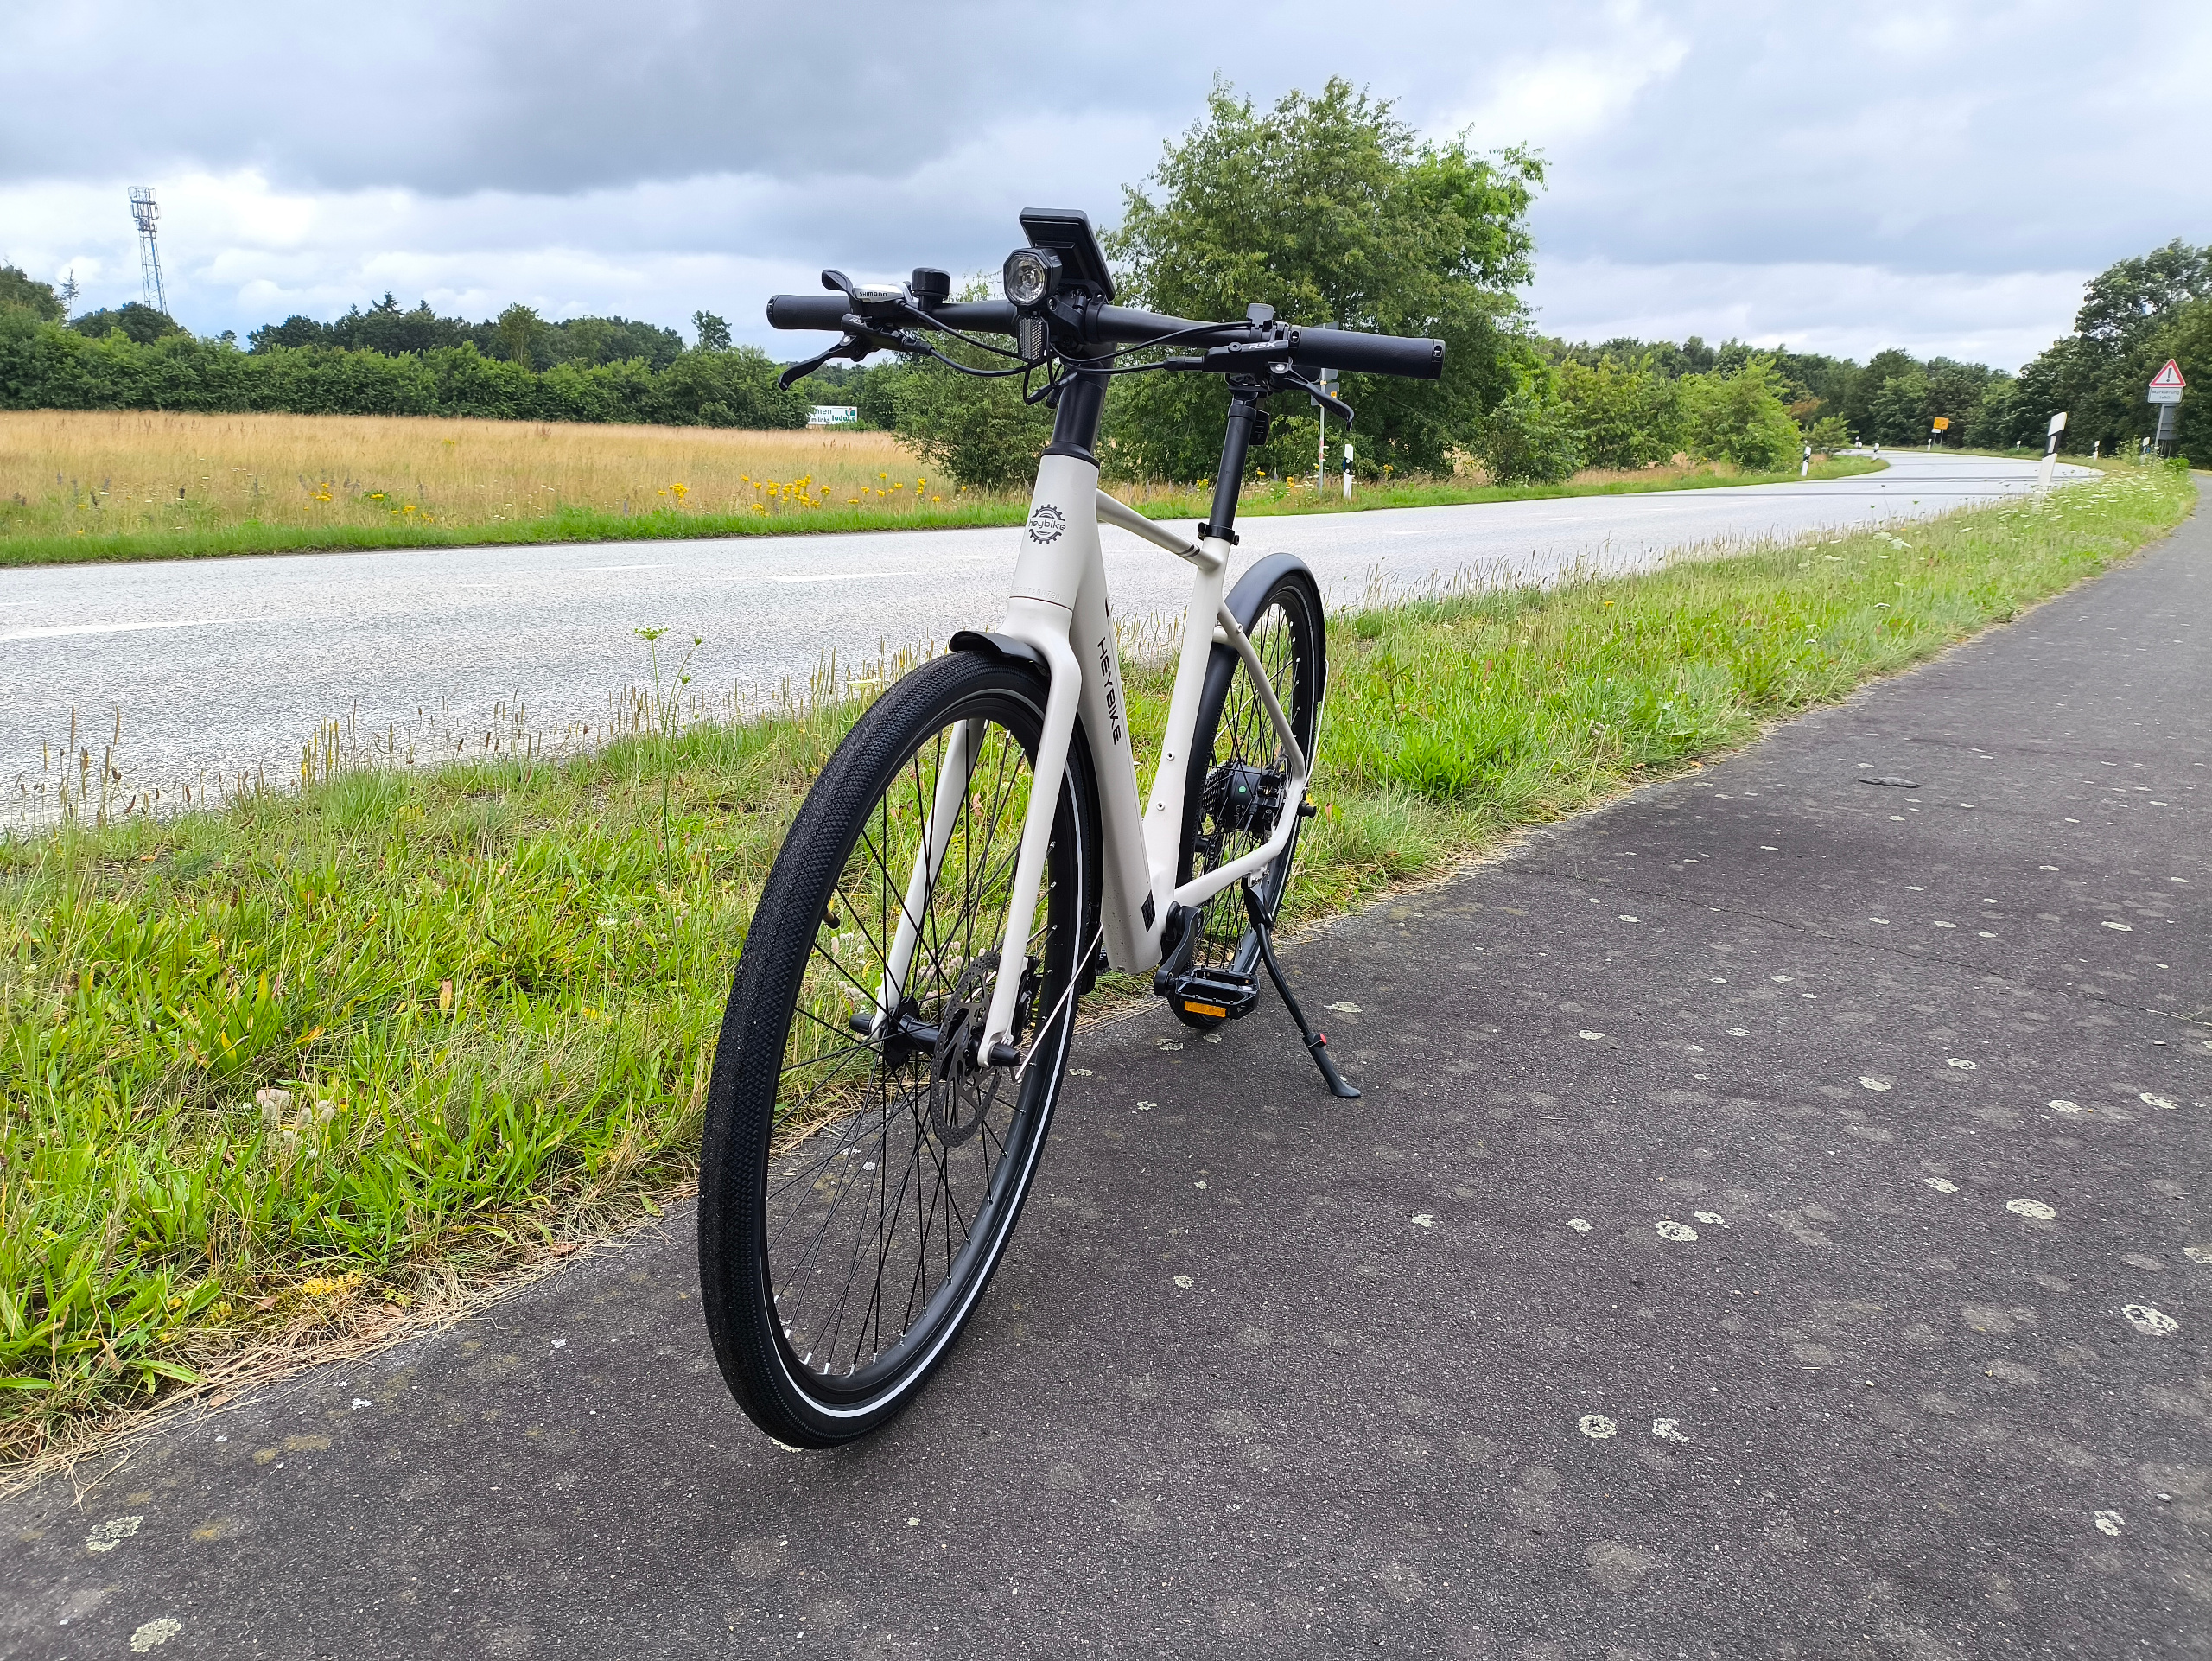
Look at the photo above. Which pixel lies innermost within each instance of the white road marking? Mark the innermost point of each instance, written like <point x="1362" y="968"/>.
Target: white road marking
<point x="1582" y="1225"/>
<point x="1597" y="1427"/>
<point x="56" y="631"/>
<point x="1671" y="1230"/>
<point x="1668" y="1430"/>
<point x="1941" y="1184"/>
<point x="2109" y="1522"/>
<point x="2034" y="1208"/>
<point x="2144" y="1318"/>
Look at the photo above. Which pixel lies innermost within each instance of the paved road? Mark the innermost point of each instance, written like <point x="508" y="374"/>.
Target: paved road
<point x="1443" y="1372"/>
<point x="224" y="666"/>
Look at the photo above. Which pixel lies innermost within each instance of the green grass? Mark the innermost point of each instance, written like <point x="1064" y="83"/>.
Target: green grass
<point x="573" y="524"/>
<point x="488" y="994"/>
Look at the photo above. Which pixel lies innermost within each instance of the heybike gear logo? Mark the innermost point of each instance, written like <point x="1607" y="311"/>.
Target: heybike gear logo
<point x="1046" y="523"/>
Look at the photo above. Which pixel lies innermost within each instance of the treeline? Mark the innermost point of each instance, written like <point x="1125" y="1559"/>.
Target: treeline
<point x="1894" y="398"/>
<point x="517" y="335"/>
<point x="2134" y="316"/>
<point x="46" y="365"/>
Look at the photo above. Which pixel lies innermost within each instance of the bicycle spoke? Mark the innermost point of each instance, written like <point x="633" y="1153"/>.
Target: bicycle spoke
<point x="866" y="1228"/>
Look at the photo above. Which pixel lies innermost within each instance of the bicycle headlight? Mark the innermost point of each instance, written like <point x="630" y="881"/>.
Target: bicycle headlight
<point x="1030" y="276"/>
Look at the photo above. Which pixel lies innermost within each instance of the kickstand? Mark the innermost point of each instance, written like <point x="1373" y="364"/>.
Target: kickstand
<point x="1317" y="1043"/>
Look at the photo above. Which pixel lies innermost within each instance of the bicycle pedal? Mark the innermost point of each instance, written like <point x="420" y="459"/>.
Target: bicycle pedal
<point x="1209" y="994"/>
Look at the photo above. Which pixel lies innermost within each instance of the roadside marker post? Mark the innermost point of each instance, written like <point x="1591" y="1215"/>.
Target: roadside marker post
<point x="1805" y="465"/>
<point x="1321" y="454"/>
<point x="2166" y="388"/>
<point x="1347" y="472"/>
<point x="2050" y="449"/>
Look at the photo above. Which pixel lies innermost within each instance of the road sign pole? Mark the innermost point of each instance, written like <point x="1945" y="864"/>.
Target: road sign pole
<point x="2166" y="388"/>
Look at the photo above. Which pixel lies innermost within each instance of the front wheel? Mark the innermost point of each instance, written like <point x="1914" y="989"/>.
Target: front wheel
<point x="1239" y="784"/>
<point x="864" y="1163"/>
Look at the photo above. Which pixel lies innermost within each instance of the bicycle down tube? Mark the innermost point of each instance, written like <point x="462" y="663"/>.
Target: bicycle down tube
<point x="1059" y="608"/>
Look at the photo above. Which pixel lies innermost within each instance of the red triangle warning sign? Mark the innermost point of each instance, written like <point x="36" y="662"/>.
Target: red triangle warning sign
<point x="2170" y="376"/>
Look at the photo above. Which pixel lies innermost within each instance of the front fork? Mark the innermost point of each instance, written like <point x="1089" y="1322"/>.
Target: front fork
<point x="954" y="772"/>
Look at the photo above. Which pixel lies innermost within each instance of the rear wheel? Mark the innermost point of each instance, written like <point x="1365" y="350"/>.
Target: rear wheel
<point x="861" y="1175"/>
<point x="1238" y="787"/>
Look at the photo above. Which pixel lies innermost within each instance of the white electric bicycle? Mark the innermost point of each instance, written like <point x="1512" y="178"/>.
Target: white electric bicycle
<point x="974" y="855"/>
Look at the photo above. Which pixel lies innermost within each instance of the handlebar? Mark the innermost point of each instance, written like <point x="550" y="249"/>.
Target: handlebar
<point x="1308" y="349"/>
<point x="1366" y="354"/>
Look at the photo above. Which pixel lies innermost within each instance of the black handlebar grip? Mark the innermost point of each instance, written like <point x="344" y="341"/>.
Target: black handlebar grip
<point x="1366" y="354"/>
<point x="824" y="311"/>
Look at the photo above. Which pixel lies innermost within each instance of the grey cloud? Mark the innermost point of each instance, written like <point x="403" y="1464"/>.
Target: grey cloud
<point x="1920" y="138"/>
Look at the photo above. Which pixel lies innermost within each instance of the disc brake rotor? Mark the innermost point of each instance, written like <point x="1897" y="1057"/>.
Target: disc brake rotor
<point x="963" y="1091"/>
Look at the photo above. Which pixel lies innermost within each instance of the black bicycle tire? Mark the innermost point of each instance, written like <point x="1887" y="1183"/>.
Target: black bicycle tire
<point x="1291" y="587"/>
<point x="735" y="1283"/>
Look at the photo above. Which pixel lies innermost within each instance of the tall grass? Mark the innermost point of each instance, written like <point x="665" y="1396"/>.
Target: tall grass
<point x="134" y="485"/>
<point x="283" y="1067"/>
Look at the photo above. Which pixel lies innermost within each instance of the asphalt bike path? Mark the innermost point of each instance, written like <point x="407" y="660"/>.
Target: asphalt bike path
<point x="1774" y="1227"/>
<point x="224" y="666"/>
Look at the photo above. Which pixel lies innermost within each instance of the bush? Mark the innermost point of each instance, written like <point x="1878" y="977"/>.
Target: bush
<point x="1623" y="417"/>
<point x="1829" y="435"/>
<point x="1739" y="418"/>
<point x="979" y="432"/>
<point x="1529" y="438"/>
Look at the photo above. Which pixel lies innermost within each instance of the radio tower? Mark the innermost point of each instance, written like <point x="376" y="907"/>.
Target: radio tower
<point x="149" y="253"/>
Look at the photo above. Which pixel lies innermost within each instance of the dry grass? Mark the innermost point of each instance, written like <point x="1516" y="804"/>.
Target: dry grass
<point x="115" y="470"/>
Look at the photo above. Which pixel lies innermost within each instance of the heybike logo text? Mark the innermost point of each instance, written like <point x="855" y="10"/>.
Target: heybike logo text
<point x="1113" y="692"/>
<point x="1046" y="523"/>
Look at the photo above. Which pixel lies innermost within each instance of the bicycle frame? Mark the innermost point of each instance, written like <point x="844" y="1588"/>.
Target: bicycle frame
<point x="1059" y="610"/>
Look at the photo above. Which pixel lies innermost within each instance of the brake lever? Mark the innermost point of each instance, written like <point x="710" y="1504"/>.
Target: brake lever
<point x="1328" y="402"/>
<point x="848" y="347"/>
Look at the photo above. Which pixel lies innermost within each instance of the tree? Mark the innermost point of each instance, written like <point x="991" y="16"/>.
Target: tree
<point x="519" y="328"/>
<point x="20" y="292"/>
<point x="1858" y="401"/>
<point x="1333" y="211"/>
<point x="140" y="323"/>
<point x="1623" y="415"/>
<point x="1739" y="418"/>
<point x="2098" y="374"/>
<point x="1528" y="437"/>
<point x="2130" y="297"/>
<point x="714" y="332"/>
<point x="1897" y="408"/>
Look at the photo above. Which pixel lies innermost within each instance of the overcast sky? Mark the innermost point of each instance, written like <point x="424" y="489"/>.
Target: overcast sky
<point x="1933" y="175"/>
